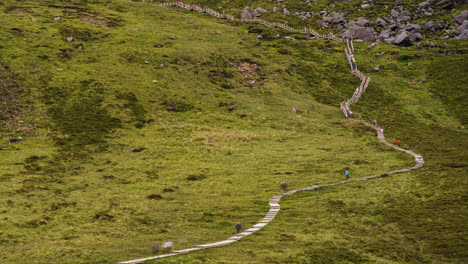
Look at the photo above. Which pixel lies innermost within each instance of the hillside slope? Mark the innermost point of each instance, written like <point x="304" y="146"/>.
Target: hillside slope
<point x="149" y="124"/>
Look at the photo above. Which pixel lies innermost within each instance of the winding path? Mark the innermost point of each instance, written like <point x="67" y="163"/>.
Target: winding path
<point x="345" y="107"/>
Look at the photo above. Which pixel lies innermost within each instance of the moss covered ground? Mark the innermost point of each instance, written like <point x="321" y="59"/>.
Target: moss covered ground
<point x="155" y="124"/>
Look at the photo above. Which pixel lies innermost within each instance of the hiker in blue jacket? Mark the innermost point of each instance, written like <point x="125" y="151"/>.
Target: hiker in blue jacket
<point x="346" y="173"/>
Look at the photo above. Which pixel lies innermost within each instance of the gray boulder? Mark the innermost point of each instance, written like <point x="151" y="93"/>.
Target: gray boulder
<point x="413" y="27"/>
<point x="393" y="27"/>
<point x="380" y="22"/>
<point x="403" y="39"/>
<point x="322" y="23"/>
<point x="286" y="12"/>
<point x="459" y="30"/>
<point x="394" y="13"/>
<point x="463" y="35"/>
<point x="429" y="26"/>
<point x="363" y="22"/>
<point x="260" y="10"/>
<point x="389" y="40"/>
<point x="462" y="17"/>
<point x="363" y="33"/>
<point x="424" y="5"/>
<point x="398" y="3"/>
<point x="247" y="13"/>
<point x="337" y="18"/>
<point x="385" y="34"/>
<point x="405" y="12"/>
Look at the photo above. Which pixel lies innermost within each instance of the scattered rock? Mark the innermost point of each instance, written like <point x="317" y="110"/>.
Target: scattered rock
<point x="413" y="27"/>
<point x="259" y="37"/>
<point x="462" y="30"/>
<point x="385" y="34"/>
<point x="57" y="18"/>
<point x="70" y="39"/>
<point x="172" y="37"/>
<point x="380" y="22"/>
<point x="424" y="5"/>
<point x="403" y="39"/>
<point x="372" y="45"/>
<point x="286" y="12"/>
<point x="363" y="33"/>
<point x="389" y="40"/>
<point x="33" y="20"/>
<point x="462" y="17"/>
<point x="363" y="22"/>
<point x="247" y="13"/>
<point x="429" y="26"/>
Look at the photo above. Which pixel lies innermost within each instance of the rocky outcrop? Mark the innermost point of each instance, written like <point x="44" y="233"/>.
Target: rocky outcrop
<point x="403" y="23"/>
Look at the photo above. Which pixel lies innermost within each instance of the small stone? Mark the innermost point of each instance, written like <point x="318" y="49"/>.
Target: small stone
<point x="33" y="20"/>
<point x="372" y="45"/>
<point x="146" y="62"/>
<point x="70" y="39"/>
<point x="172" y="37"/>
<point x="154" y="81"/>
<point x="259" y="37"/>
<point x="57" y="18"/>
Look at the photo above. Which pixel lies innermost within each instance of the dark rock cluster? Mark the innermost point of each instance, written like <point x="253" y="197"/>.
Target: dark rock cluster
<point x="401" y="25"/>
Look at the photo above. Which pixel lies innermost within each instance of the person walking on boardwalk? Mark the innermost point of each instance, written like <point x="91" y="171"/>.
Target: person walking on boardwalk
<point x="238" y="227"/>
<point x="346" y="173"/>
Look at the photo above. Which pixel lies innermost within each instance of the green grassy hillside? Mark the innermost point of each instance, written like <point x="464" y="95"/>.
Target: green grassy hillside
<point x="155" y="124"/>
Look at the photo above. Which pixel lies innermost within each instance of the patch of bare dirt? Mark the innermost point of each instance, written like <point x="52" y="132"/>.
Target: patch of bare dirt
<point x="94" y="21"/>
<point x="249" y="71"/>
<point x="246" y="69"/>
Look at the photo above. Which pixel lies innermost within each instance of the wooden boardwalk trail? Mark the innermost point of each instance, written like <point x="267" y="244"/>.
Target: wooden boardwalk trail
<point x="345" y="107"/>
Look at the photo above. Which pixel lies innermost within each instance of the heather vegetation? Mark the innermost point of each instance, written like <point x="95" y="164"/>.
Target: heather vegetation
<point x="144" y="124"/>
